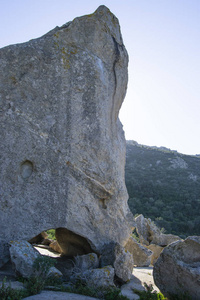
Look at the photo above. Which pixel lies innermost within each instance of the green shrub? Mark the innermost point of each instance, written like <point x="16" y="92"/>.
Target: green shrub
<point x="135" y="235"/>
<point x="41" y="267"/>
<point x="114" y="294"/>
<point x="51" y="234"/>
<point x="183" y="296"/>
<point x="34" y="285"/>
<point x="150" y="294"/>
<point x="7" y="293"/>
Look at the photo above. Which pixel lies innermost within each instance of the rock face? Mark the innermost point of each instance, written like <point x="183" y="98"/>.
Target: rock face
<point x="62" y="145"/>
<point x="141" y="255"/>
<point x="156" y="250"/>
<point x="39" y="239"/>
<point x="98" y="278"/>
<point x="46" y="295"/>
<point x="86" y="262"/>
<point x="121" y="259"/>
<point x="177" y="270"/>
<point x="54" y="246"/>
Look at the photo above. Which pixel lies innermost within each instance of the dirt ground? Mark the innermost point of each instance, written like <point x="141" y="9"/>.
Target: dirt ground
<point x="145" y="274"/>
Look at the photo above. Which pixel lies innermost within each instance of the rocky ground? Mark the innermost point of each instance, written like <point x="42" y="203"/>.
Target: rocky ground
<point x="140" y="276"/>
<point x="145" y="275"/>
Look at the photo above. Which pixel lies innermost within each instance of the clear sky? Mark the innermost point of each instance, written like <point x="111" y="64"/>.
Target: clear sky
<point x="162" y="105"/>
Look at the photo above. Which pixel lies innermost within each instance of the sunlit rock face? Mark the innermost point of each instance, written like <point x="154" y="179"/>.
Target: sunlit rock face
<point x="62" y="144"/>
<point x="177" y="271"/>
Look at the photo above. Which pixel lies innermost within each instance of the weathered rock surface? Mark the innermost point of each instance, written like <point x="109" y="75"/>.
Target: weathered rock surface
<point x="117" y="256"/>
<point x="128" y="288"/>
<point x="123" y="263"/>
<point x="156" y="250"/>
<point x="47" y="295"/>
<point x="54" y="246"/>
<point x="15" y="285"/>
<point x="103" y="277"/>
<point x="70" y="243"/>
<point x="86" y="262"/>
<point x="164" y="239"/>
<point x="149" y="233"/>
<point x="23" y="256"/>
<point x="39" y="239"/>
<point x="177" y="270"/>
<point x="141" y="255"/>
<point x="62" y="145"/>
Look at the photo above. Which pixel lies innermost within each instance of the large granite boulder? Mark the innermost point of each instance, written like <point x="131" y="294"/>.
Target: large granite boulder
<point x="177" y="270"/>
<point x="62" y="145"/>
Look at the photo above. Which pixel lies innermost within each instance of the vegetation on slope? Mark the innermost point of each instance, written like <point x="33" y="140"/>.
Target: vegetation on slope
<point x="164" y="185"/>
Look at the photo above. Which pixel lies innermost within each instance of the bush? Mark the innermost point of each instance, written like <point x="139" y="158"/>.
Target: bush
<point x="114" y="294"/>
<point x="51" y="234"/>
<point x="41" y="266"/>
<point x="7" y="293"/>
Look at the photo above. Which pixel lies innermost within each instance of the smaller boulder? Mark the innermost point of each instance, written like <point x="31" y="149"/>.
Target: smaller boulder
<point x="141" y="255"/>
<point x="52" y="295"/>
<point x="38" y="239"/>
<point x="23" y="256"/>
<point x="100" y="278"/>
<point x="87" y="262"/>
<point x="54" y="246"/>
<point x="46" y="242"/>
<point x="53" y="272"/>
<point x="117" y="256"/>
<point x="142" y="229"/>
<point x="149" y="233"/>
<point x="128" y="288"/>
<point x="164" y="239"/>
<point x="123" y="263"/>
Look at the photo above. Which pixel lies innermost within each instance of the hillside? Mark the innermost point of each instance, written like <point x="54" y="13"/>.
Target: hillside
<point x="164" y="185"/>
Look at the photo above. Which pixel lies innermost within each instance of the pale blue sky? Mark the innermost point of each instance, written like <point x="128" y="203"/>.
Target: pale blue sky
<point x="162" y="105"/>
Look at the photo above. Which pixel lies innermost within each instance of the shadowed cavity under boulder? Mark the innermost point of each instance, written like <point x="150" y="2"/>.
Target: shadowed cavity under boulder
<point x="67" y="242"/>
<point x="71" y="243"/>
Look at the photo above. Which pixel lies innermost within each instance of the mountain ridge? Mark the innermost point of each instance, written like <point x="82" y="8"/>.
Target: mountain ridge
<point x="164" y="185"/>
